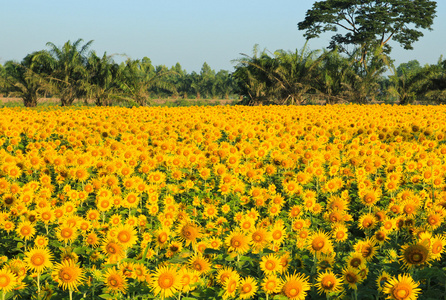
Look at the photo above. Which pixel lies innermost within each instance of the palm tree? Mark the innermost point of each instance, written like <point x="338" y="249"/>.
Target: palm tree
<point x="138" y="77"/>
<point x="103" y="74"/>
<point x="68" y="76"/>
<point x="23" y="80"/>
<point x="362" y="80"/>
<point x="286" y="78"/>
<point x="434" y="84"/>
<point x="251" y="78"/>
<point x="333" y="73"/>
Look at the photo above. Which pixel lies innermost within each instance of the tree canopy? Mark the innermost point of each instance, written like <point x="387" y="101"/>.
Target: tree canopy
<point x="369" y="23"/>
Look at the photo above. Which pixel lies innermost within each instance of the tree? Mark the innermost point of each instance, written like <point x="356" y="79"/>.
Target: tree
<point x="139" y="77"/>
<point x="23" y="80"/>
<point x="409" y="68"/>
<point x="433" y="88"/>
<point x="285" y="78"/>
<point x="68" y="69"/>
<point x="369" y="23"/>
<point x="103" y="75"/>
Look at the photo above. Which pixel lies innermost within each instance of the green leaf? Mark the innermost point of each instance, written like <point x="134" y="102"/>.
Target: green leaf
<point x="106" y="296"/>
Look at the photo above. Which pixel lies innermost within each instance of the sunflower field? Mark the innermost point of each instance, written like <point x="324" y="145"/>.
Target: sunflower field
<point x="223" y="202"/>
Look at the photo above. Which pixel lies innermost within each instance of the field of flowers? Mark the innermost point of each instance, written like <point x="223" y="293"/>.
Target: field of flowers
<point x="315" y="202"/>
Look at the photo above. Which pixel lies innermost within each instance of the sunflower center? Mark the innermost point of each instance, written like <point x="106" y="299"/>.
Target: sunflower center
<point x="165" y="281"/>
<point x="4" y="280"/>
<point x="355" y="262"/>
<point x="111" y="249"/>
<point x="25" y="231"/>
<point x="317" y="244"/>
<point x="232" y="286"/>
<point x="270" y="265"/>
<point x="162" y="238"/>
<point x="247" y="288"/>
<point x="124" y="237"/>
<point x="401" y="293"/>
<point x="65" y="275"/>
<point x="277" y="234"/>
<point x="271" y="285"/>
<point x="293" y="292"/>
<point x="37" y="259"/>
<point x="351" y="278"/>
<point x="67" y="232"/>
<point x="113" y="282"/>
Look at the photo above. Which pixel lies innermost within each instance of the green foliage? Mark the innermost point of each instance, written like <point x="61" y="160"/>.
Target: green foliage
<point x="368" y="24"/>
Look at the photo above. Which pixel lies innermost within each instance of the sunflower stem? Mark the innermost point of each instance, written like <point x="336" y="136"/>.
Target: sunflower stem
<point x="71" y="294"/>
<point x="38" y="285"/>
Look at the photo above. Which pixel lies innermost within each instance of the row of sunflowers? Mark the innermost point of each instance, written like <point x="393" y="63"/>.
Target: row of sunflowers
<point x="314" y="202"/>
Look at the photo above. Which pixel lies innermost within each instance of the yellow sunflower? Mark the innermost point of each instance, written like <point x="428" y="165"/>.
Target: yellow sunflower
<point x="8" y="281"/>
<point x="328" y="282"/>
<point x="272" y="284"/>
<point x="68" y="275"/>
<point x="248" y="287"/>
<point x="38" y="259"/>
<point x="237" y="242"/>
<point x="295" y="286"/>
<point x="115" y="281"/>
<point x="270" y="264"/>
<point x="402" y="287"/>
<point x="165" y="282"/>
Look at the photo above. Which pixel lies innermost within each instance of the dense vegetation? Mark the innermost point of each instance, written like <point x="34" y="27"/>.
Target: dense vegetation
<point x="351" y="69"/>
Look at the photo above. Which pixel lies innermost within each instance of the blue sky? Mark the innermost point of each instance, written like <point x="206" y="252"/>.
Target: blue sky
<point x="190" y="32"/>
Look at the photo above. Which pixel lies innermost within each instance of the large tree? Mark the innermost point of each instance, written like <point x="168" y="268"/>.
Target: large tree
<point x="368" y="24"/>
<point x="68" y="74"/>
<point x="23" y="80"/>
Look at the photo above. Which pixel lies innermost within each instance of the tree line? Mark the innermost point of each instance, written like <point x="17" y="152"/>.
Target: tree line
<point x="72" y="72"/>
<point x="352" y="68"/>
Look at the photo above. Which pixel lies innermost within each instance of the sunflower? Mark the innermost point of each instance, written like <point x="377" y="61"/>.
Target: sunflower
<point x="319" y="243"/>
<point x="25" y="230"/>
<point x="414" y="255"/>
<point x="367" y="248"/>
<point x="92" y="240"/>
<point x="41" y="241"/>
<point x="230" y="285"/>
<point x="260" y="237"/>
<point x="351" y="276"/>
<point x="68" y="275"/>
<point x="272" y="284"/>
<point x="277" y="233"/>
<point x="126" y="235"/>
<point x="38" y="259"/>
<point x="237" y="242"/>
<point x="140" y="272"/>
<point x="161" y="237"/>
<point x="200" y="264"/>
<point x="8" y="281"/>
<point x="402" y="287"/>
<point x="382" y="279"/>
<point x="438" y="246"/>
<point x="339" y="233"/>
<point x="165" y="281"/>
<point x="112" y="249"/>
<point x="270" y="264"/>
<point x="66" y="233"/>
<point x="224" y="273"/>
<point x="189" y="232"/>
<point x="328" y="282"/>
<point x="115" y="281"/>
<point x="356" y="260"/>
<point x="187" y="279"/>
<point x="248" y="287"/>
<point x="295" y="286"/>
